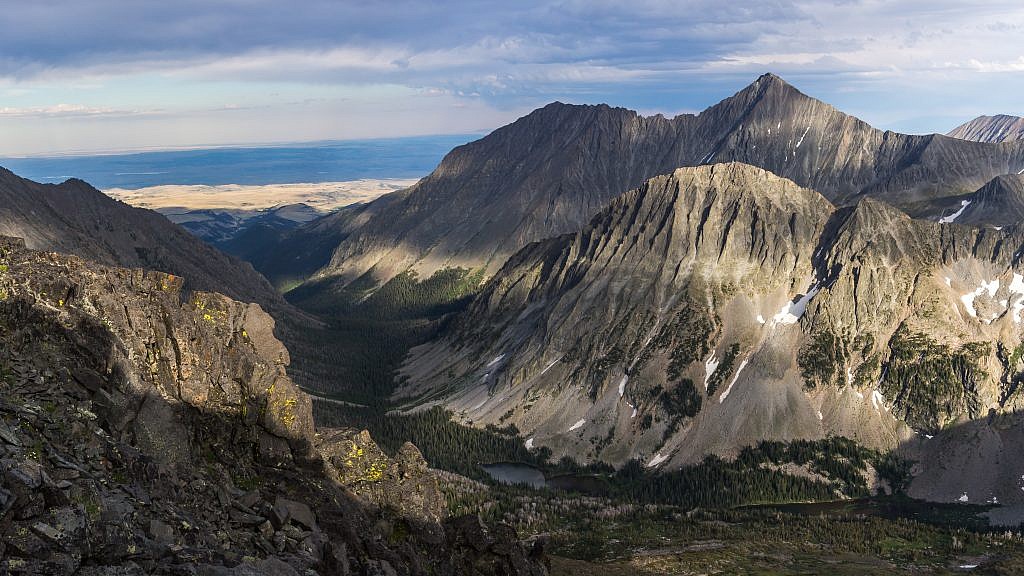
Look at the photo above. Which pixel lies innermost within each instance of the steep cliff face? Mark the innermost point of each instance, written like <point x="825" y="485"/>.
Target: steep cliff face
<point x="75" y="218"/>
<point x="722" y="305"/>
<point x="998" y="128"/>
<point x="549" y="172"/>
<point x="143" y="433"/>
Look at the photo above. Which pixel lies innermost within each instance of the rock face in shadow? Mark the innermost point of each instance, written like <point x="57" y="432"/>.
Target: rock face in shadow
<point x="288" y="257"/>
<point x="998" y="128"/>
<point x="998" y="203"/>
<point x="722" y="305"/>
<point x="549" y="172"/>
<point x="144" y="433"/>
<point x="75" y="218"/>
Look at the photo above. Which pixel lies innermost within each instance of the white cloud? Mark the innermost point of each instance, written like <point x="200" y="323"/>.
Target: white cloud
<point x="886" y="61"/>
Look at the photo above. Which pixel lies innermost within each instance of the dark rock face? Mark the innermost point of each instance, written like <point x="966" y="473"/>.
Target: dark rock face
<point x="998" y="203"/>
<point x="145" y="434"/>
<point x="549" y="172"/>
<point x="75" y="218"/>
<point x="998" y="128"/>
<point x="722" y="305"/>
<point x="289" y="257"/>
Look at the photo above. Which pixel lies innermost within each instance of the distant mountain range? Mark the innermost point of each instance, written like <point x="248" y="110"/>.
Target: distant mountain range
<point x="549" y="172"/>
<point x="661" y="288"/>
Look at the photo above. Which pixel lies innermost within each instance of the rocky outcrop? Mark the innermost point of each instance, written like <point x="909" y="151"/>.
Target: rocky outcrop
<point x="549" y="172"/>
<point x="722" y="305"/>
<point x="146" y="433"/>
<point x="998" y="128"/>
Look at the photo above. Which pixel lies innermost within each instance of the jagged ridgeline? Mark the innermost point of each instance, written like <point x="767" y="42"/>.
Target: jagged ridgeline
<point x="549" y="172"/>
<point x="146" y="431"/>
<point x="721" y="305"/>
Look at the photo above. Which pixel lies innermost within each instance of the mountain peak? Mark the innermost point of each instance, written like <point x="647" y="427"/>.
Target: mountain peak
<point x="998" y="128"/>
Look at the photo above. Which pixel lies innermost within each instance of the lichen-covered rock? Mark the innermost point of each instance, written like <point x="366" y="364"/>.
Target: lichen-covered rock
<point x="403" y="483"/>
<point x="148" y="431"/>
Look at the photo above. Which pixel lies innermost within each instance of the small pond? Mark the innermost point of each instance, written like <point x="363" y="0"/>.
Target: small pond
<point x="519" y="473"/>
<point x="515" y="473"/>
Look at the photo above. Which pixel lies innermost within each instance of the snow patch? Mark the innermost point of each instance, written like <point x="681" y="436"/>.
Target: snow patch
<point x="877" y="399"/>
<point x="529" y="444"/>
<point x="849" y="376"/>
<point x="968" y="299"/>
<point x="1016" y="288"/>
<point x="963" y="497"/>
<point x="633" y="415"/>
<point x="658" y="459"/>
<point x="734" y="379"/>
<point x="820" y="416"/>
<point x="760" y="319"/>
<point x="579" y="424"/>
<point x="710" y="365"/>
<point x="1021" y="171"/>
<point x="949" y="282"/>
<point x="497" y="359"/>
<point x="952" y="217"/>
<point x="548" y="367"/>
<point x="622" y="385"/>
<point x="998" y="227"/>
<point x="802" y="136"/>
<point x="792" y="311"/>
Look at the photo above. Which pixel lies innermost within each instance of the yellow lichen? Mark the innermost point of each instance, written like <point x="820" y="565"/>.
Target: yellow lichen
<point x="286" y="412"/>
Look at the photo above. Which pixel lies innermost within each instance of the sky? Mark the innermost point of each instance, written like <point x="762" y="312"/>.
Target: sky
<point x="114" y="75"/>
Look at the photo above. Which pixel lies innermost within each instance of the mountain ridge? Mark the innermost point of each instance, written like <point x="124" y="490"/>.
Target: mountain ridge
<point x="550" y="171"/>
<point x="998" y="128"/>
<point x="74" y="217"/>
<point x="723" y="305"/>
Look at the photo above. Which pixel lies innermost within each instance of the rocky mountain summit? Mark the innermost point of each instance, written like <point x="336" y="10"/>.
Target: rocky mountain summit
<point x="998" y="128"/>
<point x="721" y="305"/>
<point x="549" y="172"/>
<point x="149" y="430"/>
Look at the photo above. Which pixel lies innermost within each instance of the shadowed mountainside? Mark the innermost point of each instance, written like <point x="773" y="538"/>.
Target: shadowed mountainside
<point x="75" y="218"/>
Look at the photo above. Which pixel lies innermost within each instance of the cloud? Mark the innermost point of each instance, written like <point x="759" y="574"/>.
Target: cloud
<point x="664" y="55"/>
<point x="69" y="110"/>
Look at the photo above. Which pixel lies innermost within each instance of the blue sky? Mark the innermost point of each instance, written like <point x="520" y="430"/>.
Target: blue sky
<point x="100" y="75"/>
